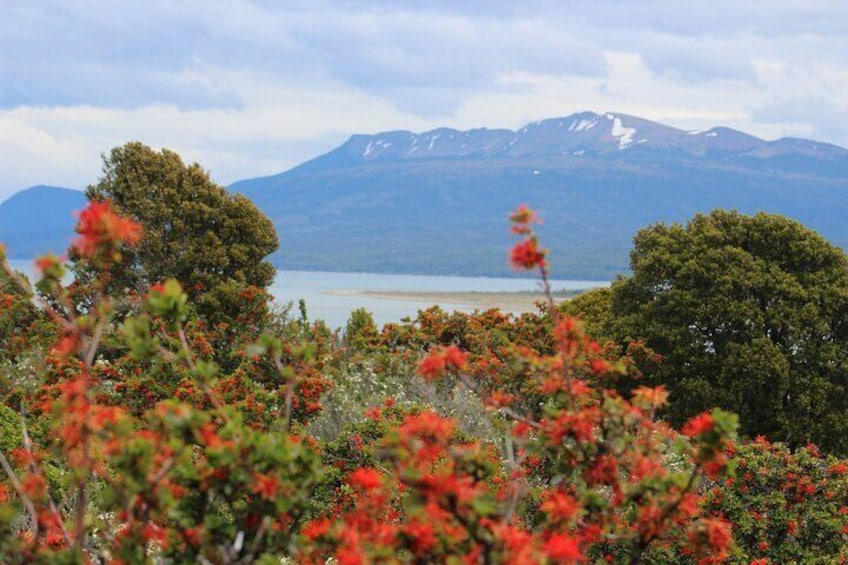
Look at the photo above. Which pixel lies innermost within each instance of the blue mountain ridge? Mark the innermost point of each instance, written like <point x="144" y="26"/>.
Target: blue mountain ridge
<point x="437" y="202"/>
<point x="39" y="219"/>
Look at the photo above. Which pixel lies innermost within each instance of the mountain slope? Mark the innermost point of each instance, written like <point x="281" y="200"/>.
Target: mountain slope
<point x="38" y="220"/>
<point x="438" y="201"/>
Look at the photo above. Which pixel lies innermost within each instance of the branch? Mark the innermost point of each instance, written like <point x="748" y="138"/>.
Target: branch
<point x="54" y="510"/>
<point x="16" y="484"/>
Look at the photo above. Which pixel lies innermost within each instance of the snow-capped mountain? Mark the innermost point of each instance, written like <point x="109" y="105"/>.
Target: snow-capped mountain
<point x="585" y="133"/>
<point x="437" y="201"/>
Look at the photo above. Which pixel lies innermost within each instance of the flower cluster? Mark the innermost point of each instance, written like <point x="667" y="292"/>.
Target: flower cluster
<point x="526" y="254"/>
<point x="149" y="437"/>
<point x="102" y="231"/>
<point x="440" y="360"/>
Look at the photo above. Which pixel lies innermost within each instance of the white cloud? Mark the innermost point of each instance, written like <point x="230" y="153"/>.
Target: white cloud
<point x="253" y="87"/>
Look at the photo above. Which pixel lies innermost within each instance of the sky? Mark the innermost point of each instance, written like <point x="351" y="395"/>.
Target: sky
<point x="249" y="88"/>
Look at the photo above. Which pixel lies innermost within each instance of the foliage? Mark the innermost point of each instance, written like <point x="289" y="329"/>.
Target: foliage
<point x="749" y="313"/>
<point x="212" y="242"/>
<point x="593" y="307"/>
<point x="156" y="438"/>
<point x="22" y="324"/>
<point x="786" y="507"/>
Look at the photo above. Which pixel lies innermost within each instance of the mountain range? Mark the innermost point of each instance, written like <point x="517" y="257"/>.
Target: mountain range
<point x="39" y="219"/>
<point x="437" y="202"/>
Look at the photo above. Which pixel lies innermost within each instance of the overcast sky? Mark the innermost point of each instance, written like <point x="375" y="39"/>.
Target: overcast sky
<point x="249" y="88"/>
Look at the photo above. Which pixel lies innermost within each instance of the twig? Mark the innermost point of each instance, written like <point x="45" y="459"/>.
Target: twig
<point x="278" y="363"/>
<point x="54" y="510"/>
<point x="16" y="484"/>
<point x="503" y="409"/>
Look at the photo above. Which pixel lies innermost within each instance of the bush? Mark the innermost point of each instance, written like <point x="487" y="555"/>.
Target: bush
<point x="750" y="313"/>
<point x="157" y="453"/>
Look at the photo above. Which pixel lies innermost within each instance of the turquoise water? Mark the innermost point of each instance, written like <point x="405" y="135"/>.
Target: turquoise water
<point x="332" y="296"/>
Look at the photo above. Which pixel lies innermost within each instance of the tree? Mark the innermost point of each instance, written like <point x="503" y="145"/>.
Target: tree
<point x="212" y="242"/>
<point x="750" y="314"/>
<point x="593" y="308"/>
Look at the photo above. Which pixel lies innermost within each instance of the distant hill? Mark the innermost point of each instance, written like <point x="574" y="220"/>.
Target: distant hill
<point x="39" y="220"/>
<point x="437" y="202"/>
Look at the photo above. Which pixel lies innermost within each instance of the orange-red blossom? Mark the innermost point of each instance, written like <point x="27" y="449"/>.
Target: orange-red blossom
<point x="526" y="254"/>
<point x="99" y="226"/>
<point x="440" y="360"/>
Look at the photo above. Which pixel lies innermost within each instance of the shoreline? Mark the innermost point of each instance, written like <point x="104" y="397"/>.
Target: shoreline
<point x="507" y="301"/>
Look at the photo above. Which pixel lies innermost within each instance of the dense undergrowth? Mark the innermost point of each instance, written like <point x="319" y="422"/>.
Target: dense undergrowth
<point x="133" y="429"/>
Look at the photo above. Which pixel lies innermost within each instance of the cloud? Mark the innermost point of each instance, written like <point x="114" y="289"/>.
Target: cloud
<point x="700" y="60"/>
<point x="276" y="129"/>
<point x="251" y="87"/>
<point x="817" y="116"/>
<point x="70" y="53"/>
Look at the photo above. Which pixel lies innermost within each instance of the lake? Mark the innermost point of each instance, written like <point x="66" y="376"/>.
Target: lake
<point x="332" y="296"/>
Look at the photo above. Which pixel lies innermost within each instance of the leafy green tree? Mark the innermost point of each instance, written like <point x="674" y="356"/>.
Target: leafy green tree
<point x="750" y="314"/>
<point x="593" y="308"/>
<point x="214" y="243"/>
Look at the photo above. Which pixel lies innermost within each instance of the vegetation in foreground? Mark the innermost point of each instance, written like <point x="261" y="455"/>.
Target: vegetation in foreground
<point x="140" y="427"/>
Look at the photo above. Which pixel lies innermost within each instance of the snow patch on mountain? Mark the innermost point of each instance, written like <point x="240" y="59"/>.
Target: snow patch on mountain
<point x="582" y="125"/>
<point x="624" y="134"/>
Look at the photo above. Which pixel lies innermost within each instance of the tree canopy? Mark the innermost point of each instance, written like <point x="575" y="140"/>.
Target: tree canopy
<point x="750" y="314"/>
<point x="214" y="243"/>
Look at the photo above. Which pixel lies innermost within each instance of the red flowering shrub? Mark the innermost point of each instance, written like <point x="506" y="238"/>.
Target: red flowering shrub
<point x="785" y="507"/>
<point x="153" y="438"/>
<point x="587" y="475"/>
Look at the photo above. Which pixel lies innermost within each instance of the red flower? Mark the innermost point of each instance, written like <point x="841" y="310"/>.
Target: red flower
<point x="718" y="533"/>
<point x="560" y="506"/>
<point x="440" y="360"/>
<point x="840" y="468"/>
<point x="157" y="288"/>
<point x="266" y="486"/>
<point x="155" y="533"/>
<point x="454" y="357"/>
<point x="427" y="425"/>
<point x="66" y="345"/>
<point x="209" y="436"/>
<point x="47" y="262"/>
<point x="366" y="479"/>
<point x="100" y="226"/>
<point x="599" y="366"/>
<point x="317" y="528"/>
<point x="192" y="536"/>
<point x="563" y="547"/>
<point x="421" y="535"/>
<point x="527" y="255"/>
<point x="500" y="398"/>
<point x="698" y="425"/>
<point x="792" y="528"/>
<point x="350" y="556"/>
<point x="431" y="366"/>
